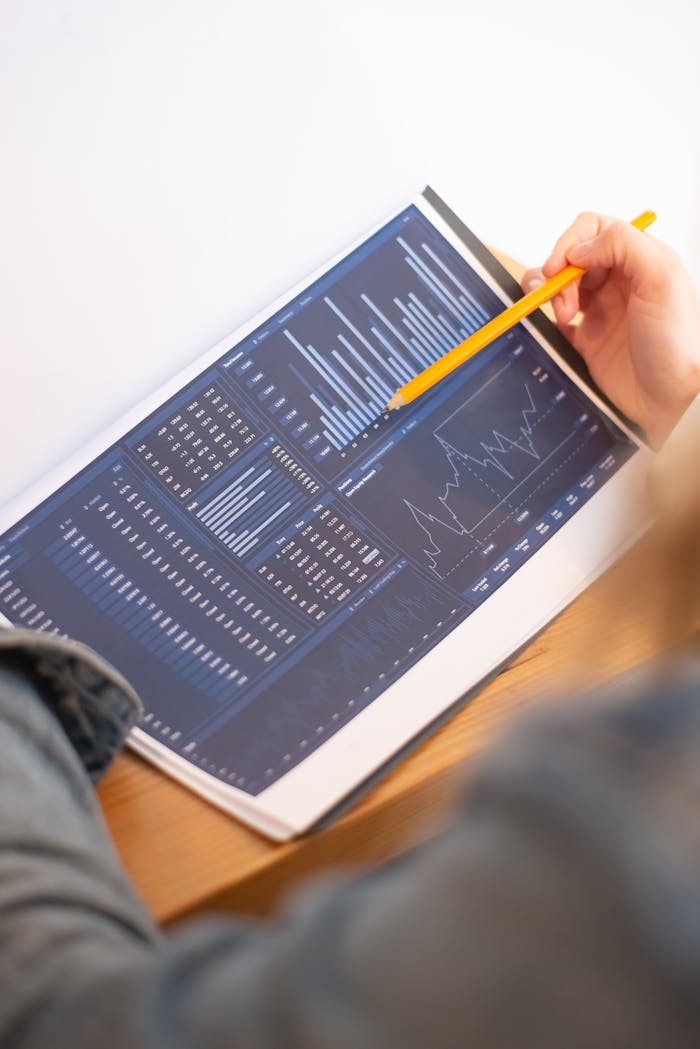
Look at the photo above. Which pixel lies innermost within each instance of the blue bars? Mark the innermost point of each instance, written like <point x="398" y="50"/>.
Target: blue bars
<point x="381" y="347"/>
<point x="240" y="514"/>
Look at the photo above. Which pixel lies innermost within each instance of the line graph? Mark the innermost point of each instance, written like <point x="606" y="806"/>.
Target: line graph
<point x="495" y="460"/>
<point x="501" y="444"/>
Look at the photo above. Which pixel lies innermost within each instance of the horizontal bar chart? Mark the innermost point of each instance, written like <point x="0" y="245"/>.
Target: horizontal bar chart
<point x="241" y="513"/>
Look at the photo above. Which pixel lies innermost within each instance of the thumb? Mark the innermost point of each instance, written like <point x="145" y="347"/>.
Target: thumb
<point x="623" y="248"/>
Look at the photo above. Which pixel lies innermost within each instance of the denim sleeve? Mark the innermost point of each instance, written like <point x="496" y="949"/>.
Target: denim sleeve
<point x="561" y="908"/>
<point x="94" y="704"/>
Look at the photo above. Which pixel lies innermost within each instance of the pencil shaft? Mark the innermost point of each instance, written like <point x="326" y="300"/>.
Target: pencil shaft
<point x="497" y="326"/>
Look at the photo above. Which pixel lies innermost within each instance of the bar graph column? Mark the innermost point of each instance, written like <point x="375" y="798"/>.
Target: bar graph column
<point x="243" y="512"/>
<point x="331" y="363"/>
<point x="352" y="400"/>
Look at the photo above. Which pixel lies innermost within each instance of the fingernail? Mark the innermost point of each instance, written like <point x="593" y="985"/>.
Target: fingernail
<point x="535" y="281"/>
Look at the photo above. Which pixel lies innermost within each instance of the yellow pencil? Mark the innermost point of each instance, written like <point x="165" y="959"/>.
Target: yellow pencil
<point x="495" y="327"/>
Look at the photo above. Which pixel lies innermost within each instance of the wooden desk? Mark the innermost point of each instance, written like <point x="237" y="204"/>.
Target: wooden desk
<point x="185" y="856"/>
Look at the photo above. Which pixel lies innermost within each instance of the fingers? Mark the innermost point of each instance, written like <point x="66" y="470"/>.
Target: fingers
<point x="599" y="244"/>
<point x="585" y="228"/>
<point x="593" y="279"/>
<point x="570" y="332"/>
<point x="637" y="257"/>
<point x="565" y="304"/>
<point x="532" y="279"/>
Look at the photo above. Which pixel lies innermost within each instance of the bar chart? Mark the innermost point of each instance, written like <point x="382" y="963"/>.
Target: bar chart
<point x="325" y="368"/>
<point x="257" y="498"/>
<point x="362" y="376"/>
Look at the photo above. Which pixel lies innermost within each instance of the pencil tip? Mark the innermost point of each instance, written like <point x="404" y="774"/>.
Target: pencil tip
<point x="396" y="401"/>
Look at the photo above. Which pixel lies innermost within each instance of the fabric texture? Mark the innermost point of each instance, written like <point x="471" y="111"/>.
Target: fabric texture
<point x="96" y="706"/>
<point x="562" y="907"/>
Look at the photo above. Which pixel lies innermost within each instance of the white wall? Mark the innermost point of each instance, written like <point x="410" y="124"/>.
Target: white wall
<point x="524" y="113"/>
<point x="168" y="166"/>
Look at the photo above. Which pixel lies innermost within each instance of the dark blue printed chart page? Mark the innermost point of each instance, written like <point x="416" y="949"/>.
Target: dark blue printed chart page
<point x="298" y="582"/>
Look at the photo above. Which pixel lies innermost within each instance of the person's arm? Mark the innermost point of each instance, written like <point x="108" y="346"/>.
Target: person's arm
<point x="559" y="909"/>
<point x="68" y="915"/>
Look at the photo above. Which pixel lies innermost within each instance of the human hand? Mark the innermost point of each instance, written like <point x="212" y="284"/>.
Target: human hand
<point x="634" y="317"/>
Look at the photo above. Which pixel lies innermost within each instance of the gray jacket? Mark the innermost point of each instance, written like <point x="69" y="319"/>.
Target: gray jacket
<point x="561" y="909"/>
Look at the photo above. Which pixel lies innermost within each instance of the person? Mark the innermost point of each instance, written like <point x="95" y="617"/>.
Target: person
<point x="560" y="908"/>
